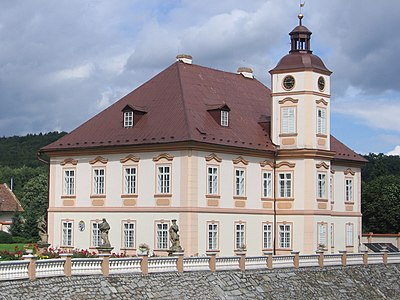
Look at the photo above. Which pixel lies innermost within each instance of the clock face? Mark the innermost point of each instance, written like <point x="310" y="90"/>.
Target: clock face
<point x="321" y="83"/>
<point x="288" y="82"/>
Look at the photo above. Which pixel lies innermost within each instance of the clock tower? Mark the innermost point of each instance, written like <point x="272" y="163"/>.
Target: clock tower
<point x="301" y="96"/>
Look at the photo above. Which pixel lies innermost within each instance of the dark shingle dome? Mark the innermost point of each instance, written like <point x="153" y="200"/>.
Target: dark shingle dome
<point x="301" y="61"/>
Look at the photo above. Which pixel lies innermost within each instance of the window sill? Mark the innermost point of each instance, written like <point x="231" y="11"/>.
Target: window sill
<point x="212" y="251"/>
<point x="68" y="197"/>
<point x="349" y="202"/>
<point x="285" y="199"/>
<point x="322" y="199"/>
<point x="321" y="135"/>
<point x="213" y="196"/>
<point x="267" y="199"/>
<point x="129" y="195"/>
<point x="287" y="134"/>
<point x="95" y="196"/>
<point x="240" y="197"/>
<point x="127" y="248"/>
<point x="162" y="195"/>
<point x="67" y="247"/>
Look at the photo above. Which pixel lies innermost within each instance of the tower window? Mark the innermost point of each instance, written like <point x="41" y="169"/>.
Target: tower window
<point x="224" y="118"/>
<point x="128" y="119"/>
<point x="288" y="120"/>
<point x="321" y="121"/>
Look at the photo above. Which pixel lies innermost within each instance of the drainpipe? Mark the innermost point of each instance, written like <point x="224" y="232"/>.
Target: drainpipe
<point x="275" y="188"/>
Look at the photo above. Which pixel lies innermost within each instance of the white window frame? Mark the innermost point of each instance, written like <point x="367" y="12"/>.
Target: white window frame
<point x="69" y="182"/>
<point x="212" y="180"/>
<point x="240" y="182"/>
<point x="267" y="235"/>
<point x="96" y="235"/>
<point x="285" y="236"/>
<point x="130" y="180"/>
<point x="321" y="120"/>
<point x="323" y="234"/>
<point x="288" y="124"/>
<point x="267" y="184"/>
<point x="129" y="234"/>
<point x="285" y="184"/>
<point x="349" y="189"/>
<point x="212" y="236"/>
<point x="162" y="235"/>
<point x="128" y="119"/>
<point x="332" y="232"/>
<point x="99" y="181"/>
<point x="321" y="185"/>
<point x="163" y="179"/>
<point x="331" y="188"/>
<point x="349" y="235"/>
<point x="240" y="235"/>
<point x="224" y="118"/>
<point x="67" y="233"/>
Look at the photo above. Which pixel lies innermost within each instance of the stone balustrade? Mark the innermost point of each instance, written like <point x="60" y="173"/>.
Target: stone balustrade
<point x="31" y="268"/>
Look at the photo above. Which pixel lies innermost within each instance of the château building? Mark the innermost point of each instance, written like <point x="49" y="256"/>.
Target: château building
<point x="235" y="163"/>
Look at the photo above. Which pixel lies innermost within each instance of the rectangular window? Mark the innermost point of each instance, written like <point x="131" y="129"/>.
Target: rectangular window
<point x="212" y="233"/>
<point x="284" y="236"/>
<point x="285" y="185"/>
<point x="267" y="236"/>
<point x="288" y="120"/>
<point x="212" y="180"/>
<point x="332" y="235"/>
<point x="240" y="236"/>
<point x="322" y="235"/>
<point x="128" y="119"/>
<point x="130" y="180"/>
<point x="349" y="189"/>
<point x="331" y="187"/>
<point x="98" y="181"/>
<point x="321" y="186"/>
<point x="129" y="235"/>
<point x="162" y="235"/>
<point x="69" y="182"/>
<point x="321" y="121"/>
<point x="164" y="179"/>
<point x="67" y="233"/>
<point x="239" y="182"/>
<point x="349" y="235"/>
<point x="224" y="118"/>
<point x="96" y="237"/>
<point x="267" y="184"/>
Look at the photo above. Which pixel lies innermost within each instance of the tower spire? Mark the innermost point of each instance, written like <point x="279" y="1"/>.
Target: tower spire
<point x="300" y="37"/>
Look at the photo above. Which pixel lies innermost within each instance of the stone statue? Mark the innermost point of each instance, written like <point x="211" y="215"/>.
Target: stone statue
<point x="174" y="237"/>
<point x="42" y="229"/>
<point x="104" y="228"/>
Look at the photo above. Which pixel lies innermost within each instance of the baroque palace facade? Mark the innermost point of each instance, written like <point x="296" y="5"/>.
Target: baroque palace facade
<point x="235" y="163"/>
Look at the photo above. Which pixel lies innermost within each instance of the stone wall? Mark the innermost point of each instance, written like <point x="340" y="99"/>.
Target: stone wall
<point x="354" y="282"/>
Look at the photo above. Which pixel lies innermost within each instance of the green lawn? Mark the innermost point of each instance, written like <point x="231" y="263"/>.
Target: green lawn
<point x="11" y="247"/>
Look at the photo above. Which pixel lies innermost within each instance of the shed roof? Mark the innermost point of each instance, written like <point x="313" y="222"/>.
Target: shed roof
<point x="8" y="201"/>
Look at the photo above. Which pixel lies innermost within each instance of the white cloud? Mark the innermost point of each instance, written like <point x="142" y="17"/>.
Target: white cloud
<point x="80" y="72"/>
<point x="395" y="151"/>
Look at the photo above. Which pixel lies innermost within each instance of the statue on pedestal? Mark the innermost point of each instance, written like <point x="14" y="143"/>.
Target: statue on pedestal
<point x="174" y="238"/>
<point x="42" y="230"/>
<point x="104" y="228"/>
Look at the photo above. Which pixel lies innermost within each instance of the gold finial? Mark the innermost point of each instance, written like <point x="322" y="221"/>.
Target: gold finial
<point x="300" y="16"/>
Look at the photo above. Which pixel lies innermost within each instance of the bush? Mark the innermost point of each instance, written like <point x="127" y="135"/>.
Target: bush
<point x="21" y="240"/>
<point x="5" y="238"/>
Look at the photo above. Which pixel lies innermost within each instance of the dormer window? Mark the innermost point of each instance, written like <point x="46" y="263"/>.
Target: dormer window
<point x="128" y="119"/>
<point x="220" y="113"/>
<point x="224" y="118"/>
<point x="131" y="115"/>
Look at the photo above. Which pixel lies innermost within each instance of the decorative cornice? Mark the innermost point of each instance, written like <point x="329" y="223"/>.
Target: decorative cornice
<point x="285" y="163"/>
<point x="99" y="159"/>
<point x="129" y="157"/>
<point x="305" y="153"/>
<point x="240" y="159"/>
<point x="349" y="171"/>
<point x="288" y="99"/>
<point x="213" y="156"/>
<point x="319" y="101"/>
<point x="265" y="163"/>
<point x="166" y="156"/>
<point x="322" y="165"/>
<point x="333" y="171"/>
<point x="69" y="161"/>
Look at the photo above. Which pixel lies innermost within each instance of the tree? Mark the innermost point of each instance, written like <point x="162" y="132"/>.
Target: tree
<point x="17" y="225"/>
<point x="35" y="204"/>
<point x="381" y="205"/>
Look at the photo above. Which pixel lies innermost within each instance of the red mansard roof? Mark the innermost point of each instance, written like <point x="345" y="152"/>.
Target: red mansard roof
<point x="177" y="103"/>
<point x="8" y="201"/>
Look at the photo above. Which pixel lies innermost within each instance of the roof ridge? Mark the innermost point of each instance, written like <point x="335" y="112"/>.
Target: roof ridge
<point x="183" y="100"/>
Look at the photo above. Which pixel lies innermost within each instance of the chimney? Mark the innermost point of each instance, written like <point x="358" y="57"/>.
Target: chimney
<point x="185" y="58"/>
<point x="246" y="72"/>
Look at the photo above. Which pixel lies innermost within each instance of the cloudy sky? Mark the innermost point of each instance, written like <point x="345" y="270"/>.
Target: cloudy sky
<point x="63" y="61"/>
